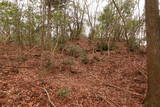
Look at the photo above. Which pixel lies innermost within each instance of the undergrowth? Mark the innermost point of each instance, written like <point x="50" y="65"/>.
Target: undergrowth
<point x="63" y="92"/>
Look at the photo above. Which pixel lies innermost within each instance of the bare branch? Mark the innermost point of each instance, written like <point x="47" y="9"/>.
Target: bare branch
<point x="49" y="99"/>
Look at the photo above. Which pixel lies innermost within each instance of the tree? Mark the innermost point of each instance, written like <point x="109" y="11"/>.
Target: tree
<point x="119" y="15"/>
<point x="92" y="17"/>
<point x="8" y="17"/>
<point x="56" y="4"/>
<point x="10" y="20"/>
<point x="153" y="53"/>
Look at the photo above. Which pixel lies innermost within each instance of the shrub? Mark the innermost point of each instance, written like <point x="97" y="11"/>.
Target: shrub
<point x="60" y="39"/>
<point x="48" y="64"/>
<point x="61" y="47"/>
<point x="4" y="39"/>
<point x="68" y="65"/>
<point x="133" y="44"/>
<point x="68" y="61"/>
<point x="103" y="46"/>
<point x="85" y="60"/>
<point x="74" y="50"/>
<point x="25" y="39"/>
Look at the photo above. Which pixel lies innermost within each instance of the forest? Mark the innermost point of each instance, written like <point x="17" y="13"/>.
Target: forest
<point x="79" y="53"/>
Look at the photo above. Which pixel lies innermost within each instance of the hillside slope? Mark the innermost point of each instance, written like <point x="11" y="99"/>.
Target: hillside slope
<point x="30" y="77"/>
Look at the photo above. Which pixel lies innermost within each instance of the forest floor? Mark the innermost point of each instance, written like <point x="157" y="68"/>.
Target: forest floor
<point x="30" y="77"/>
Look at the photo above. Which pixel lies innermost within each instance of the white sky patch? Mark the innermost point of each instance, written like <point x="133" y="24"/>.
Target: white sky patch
<point x="139" y="7"/>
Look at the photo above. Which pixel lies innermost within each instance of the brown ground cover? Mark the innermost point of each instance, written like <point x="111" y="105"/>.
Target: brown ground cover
<point x="30" y="77"/>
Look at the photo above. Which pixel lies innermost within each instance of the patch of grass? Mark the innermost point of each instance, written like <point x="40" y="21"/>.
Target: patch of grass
<point x="62" y="93"/>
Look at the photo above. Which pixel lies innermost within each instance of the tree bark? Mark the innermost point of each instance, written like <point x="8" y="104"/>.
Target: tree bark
<point x="153" y="53"/>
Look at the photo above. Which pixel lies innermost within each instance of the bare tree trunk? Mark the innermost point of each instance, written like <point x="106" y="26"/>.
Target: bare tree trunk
<point x="153" y="53"/>
<point x="49" y="20"/>
<point x="43" y="25"/>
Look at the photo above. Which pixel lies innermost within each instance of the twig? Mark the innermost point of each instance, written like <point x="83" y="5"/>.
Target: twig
<point x="49" y="99"/>
<point x="29" y="51"/>
<point x="3" y="67"/>
<point x="45" y="90"/>
<point x="119" y="88"/>
<point x="110" y="102"/>
<point x="125" y="90"/>
<point x="142" y="72"/>
<point x="106" y="99"/>
<point x="146" y="77"/>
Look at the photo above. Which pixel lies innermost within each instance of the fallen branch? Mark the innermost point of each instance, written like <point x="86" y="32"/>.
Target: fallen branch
<point x="106" y="99"/>
<point x="49" y="99"/>
<point x="125" y="90"/>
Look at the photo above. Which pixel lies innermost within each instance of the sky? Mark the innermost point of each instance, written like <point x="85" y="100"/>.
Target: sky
<point x="141" y="7"/>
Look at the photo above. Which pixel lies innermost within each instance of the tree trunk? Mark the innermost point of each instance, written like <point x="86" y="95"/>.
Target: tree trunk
<point x="153" y="53"/>
<point x="49" y="20"/>
<point x="43" y="30"/>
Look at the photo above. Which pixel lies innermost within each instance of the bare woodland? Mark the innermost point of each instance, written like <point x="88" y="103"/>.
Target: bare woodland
<point x="79" y="53"/>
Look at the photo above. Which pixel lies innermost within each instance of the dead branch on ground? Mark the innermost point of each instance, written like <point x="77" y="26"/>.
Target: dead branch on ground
<point x="125" y="90"/>
<point x="49" y="99"/>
